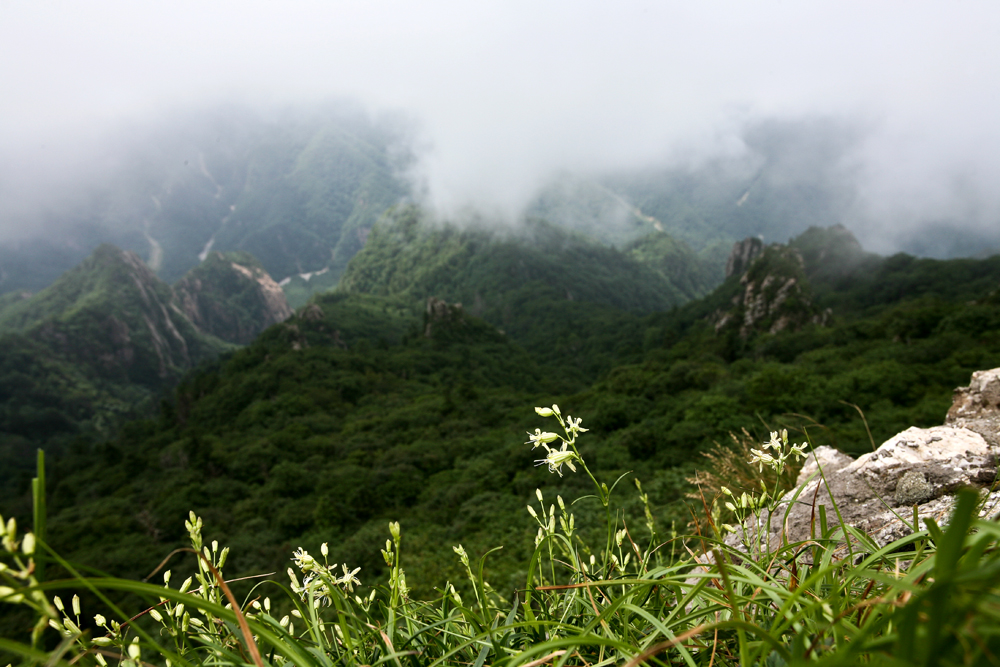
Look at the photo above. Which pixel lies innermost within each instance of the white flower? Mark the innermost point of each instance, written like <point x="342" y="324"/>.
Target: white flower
<point x="349" y="580"/>
<point x="556" y="458"/>
<point x="462" y="555"/>
<point x="761" y="458"/>
<point x="774" y="443"/>
<point x="303" y="560"/>
<point x="798" y="450"/>
<point x="574" y="424"/>
<point x="540" y="438"/>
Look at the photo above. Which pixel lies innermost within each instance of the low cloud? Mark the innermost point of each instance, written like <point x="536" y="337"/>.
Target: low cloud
<point x="508" y="94"/>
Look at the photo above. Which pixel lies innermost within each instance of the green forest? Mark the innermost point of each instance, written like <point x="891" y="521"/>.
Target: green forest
<point x="363" y="408"/>
<point x="405" y="395"/>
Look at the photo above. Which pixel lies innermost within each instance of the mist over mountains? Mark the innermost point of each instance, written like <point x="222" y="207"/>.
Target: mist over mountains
<point x="299" y="189"/>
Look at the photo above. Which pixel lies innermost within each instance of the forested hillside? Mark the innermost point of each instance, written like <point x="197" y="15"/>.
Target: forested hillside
<point x="564" y="297"/>
<point x="105" y="341"/>
<point x="367" y="408"/>
<point x="297" y="190"/>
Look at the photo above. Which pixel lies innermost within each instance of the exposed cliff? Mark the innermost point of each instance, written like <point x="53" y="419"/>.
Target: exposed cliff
<point x="775" y="294"/>
<point x="112" y="315"/>
<point x="231" y="296"/>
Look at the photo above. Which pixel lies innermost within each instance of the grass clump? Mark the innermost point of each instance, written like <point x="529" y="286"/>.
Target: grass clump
<point x="930" y="598"/>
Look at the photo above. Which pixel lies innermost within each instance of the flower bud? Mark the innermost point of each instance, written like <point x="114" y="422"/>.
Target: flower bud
<point x="156" y="615"/>
<point x="28" y="545"/>
<point x="324" y="549"/>
<point x="76" y="605"/>
<point x="544" y="412"/>
<point x="186" y="585"/>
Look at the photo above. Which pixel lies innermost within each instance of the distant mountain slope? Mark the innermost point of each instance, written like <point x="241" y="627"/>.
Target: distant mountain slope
<point x="297" y="190"/>
<point x="567" y="299"/>
<point x="410" y="254"/>
<point x="113" y="315"/>
<point x="231" y="296"/>
<point x="103" y="341"/>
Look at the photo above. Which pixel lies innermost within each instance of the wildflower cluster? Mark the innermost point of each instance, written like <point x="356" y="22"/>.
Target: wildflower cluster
<point x="19" y="575"/>
<point x="780" y="457"/>
<point x="751" y="507"/>
<point x="555" y="458"/>
<point x="319" y="580"/>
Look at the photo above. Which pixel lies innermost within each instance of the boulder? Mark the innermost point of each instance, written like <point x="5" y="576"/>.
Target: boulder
<point x="977" y="407"/>
<point x="920" y="468"/>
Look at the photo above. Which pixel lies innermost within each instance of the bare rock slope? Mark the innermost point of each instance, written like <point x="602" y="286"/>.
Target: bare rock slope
<point x="918" y="468"/>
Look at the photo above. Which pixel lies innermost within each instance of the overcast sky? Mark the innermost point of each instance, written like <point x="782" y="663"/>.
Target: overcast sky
<point x="508" y="91"/>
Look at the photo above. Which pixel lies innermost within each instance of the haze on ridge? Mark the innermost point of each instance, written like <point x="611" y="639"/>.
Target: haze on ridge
<point x="891" y="103"/>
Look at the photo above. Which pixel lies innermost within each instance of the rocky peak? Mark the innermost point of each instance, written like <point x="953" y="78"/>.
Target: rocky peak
<point x="775" y="293"/>
<point x="440" y="313"/>
<point x="231" y="296"/>
<point x="743" y="254"/>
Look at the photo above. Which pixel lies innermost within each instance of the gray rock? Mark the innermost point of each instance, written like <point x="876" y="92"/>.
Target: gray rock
<point x="877" y="493"/>
<point x="913" y="489"/>
<point x="977" y="407"/>
<point x="743" y="254"/>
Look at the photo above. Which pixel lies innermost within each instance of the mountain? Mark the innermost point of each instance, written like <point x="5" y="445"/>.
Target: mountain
<point x="298" y="190"/>
<point x="565" y="298"/>
<point x="366" y="408"/>
<point x="231" y="296"/>
<point x="114" y="316"/>
<point x="101" y="343"/>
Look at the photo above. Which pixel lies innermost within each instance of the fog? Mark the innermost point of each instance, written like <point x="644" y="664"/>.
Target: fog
<point x="506" y="94"/>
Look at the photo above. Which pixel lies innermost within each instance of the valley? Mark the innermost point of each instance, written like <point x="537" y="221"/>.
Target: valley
<point x="401" y="394"/>
<point x="331" y="355"/>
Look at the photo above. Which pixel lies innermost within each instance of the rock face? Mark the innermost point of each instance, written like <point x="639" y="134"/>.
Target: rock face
<point x="112" y="314"/>
<point x="977" y="407"/>
<point x="743" y="254"/>
<point x="775" y="292"/>
<point x="918" y="467"/>
<point x="230" y="296"/>
<point x="440" y="313"/>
